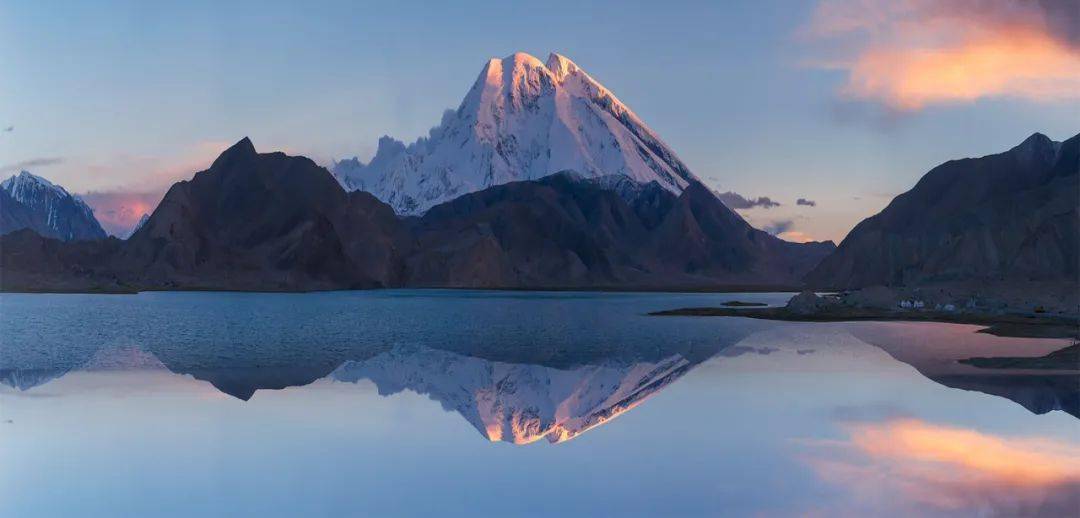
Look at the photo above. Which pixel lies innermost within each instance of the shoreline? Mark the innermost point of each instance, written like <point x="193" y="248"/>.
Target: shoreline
<point x="1009" y="325"/>
<point x="601" y="289"/>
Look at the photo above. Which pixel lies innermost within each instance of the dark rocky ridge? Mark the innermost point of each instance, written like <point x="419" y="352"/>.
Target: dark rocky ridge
<point x="269" y="222"/>
<point x="265" y="222"/>
<point x="561" y="231"/>
<point x="1003" y="219"/>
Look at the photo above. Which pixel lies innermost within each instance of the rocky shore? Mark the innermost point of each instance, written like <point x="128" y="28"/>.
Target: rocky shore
<point x="1041" y="314"/>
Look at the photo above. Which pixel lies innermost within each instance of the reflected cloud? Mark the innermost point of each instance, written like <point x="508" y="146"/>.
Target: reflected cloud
<point x="934" y="468"/>
<point x="739" y="350"/>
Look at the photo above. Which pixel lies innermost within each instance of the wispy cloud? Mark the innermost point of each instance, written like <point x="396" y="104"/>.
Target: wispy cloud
<point x="910" y="54"/>
<point x="735" y="200"/>
<point x="30" y="164"/>
<point x="805" y="202"/>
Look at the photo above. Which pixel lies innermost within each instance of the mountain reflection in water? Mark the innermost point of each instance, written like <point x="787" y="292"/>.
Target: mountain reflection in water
<point x="557" y="399"/>
<point x="521" y="395"/>
<point x="518" y="403"/>
<point x="292" y="405"/>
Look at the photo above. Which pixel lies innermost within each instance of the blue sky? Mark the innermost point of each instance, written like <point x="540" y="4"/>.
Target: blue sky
<point x="124" y="96"/>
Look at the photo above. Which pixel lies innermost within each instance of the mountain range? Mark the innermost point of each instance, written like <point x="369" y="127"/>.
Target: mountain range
<point x="276" y="222"/>
<point x="541" y="178"/>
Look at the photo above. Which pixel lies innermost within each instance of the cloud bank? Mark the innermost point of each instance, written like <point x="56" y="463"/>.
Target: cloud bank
<point x="806" y="202"/>
<point x="910" y="54"/>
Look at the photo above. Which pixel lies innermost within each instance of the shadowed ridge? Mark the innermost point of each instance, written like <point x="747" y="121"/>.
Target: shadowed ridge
<point x="1006" y="218"/>
<point x="243" y="150"/>
<point x="265" y="222"/>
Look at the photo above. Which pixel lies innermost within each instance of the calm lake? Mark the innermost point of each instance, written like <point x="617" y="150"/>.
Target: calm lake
<point x="421" y="402"/>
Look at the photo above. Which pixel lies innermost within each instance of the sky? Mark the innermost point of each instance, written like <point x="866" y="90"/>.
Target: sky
<point x="842" y="103"/>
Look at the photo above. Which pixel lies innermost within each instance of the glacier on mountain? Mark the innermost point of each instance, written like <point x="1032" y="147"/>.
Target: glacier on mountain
<point x="522" y="119"/>
<point x="48" y="209"/>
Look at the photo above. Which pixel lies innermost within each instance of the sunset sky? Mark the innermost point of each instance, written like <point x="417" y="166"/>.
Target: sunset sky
<point x="845" y="103"/>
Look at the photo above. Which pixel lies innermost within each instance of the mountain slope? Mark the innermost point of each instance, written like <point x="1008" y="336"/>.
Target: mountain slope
<point x="265" y="221"/>
<point x="1008" y="217"/>
<point x="135" y="228"/>
<point x="521" y="120"/>
<point x="554" y="232"/>
<point x="31" y="263"/>
<point x="29" y="201"/>
<point x="701" y="236"/>
<point x="568" y="231"/>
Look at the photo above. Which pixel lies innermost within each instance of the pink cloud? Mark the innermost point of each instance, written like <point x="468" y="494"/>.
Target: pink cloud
<point x="909" y="54"/>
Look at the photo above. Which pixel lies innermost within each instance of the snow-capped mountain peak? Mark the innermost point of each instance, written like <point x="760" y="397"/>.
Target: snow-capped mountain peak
<point x="139" y="224"/>
<point x="522" y="119"/>
<point x="25" y="185"/>
<point x="48" y="209"/>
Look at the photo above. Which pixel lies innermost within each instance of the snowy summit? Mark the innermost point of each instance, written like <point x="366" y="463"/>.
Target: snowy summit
<point x="36" y="203"/>
<point x="522" y="120"/>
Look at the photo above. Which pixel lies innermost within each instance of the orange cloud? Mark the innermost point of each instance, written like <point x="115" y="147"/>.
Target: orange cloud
<point x="912" y="53"/>
<point x="945" y="468"/>
<point x="795" y="236"/>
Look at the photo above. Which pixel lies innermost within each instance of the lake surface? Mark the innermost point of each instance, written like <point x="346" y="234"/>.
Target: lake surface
<point x="514" y="403"/>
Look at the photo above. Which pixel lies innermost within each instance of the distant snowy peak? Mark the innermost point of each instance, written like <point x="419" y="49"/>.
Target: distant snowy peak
<point x="139" y="224"/>
<point x="522" y="119"/>
<point x="29" y="188"/>
<point x="48" y="209"/>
